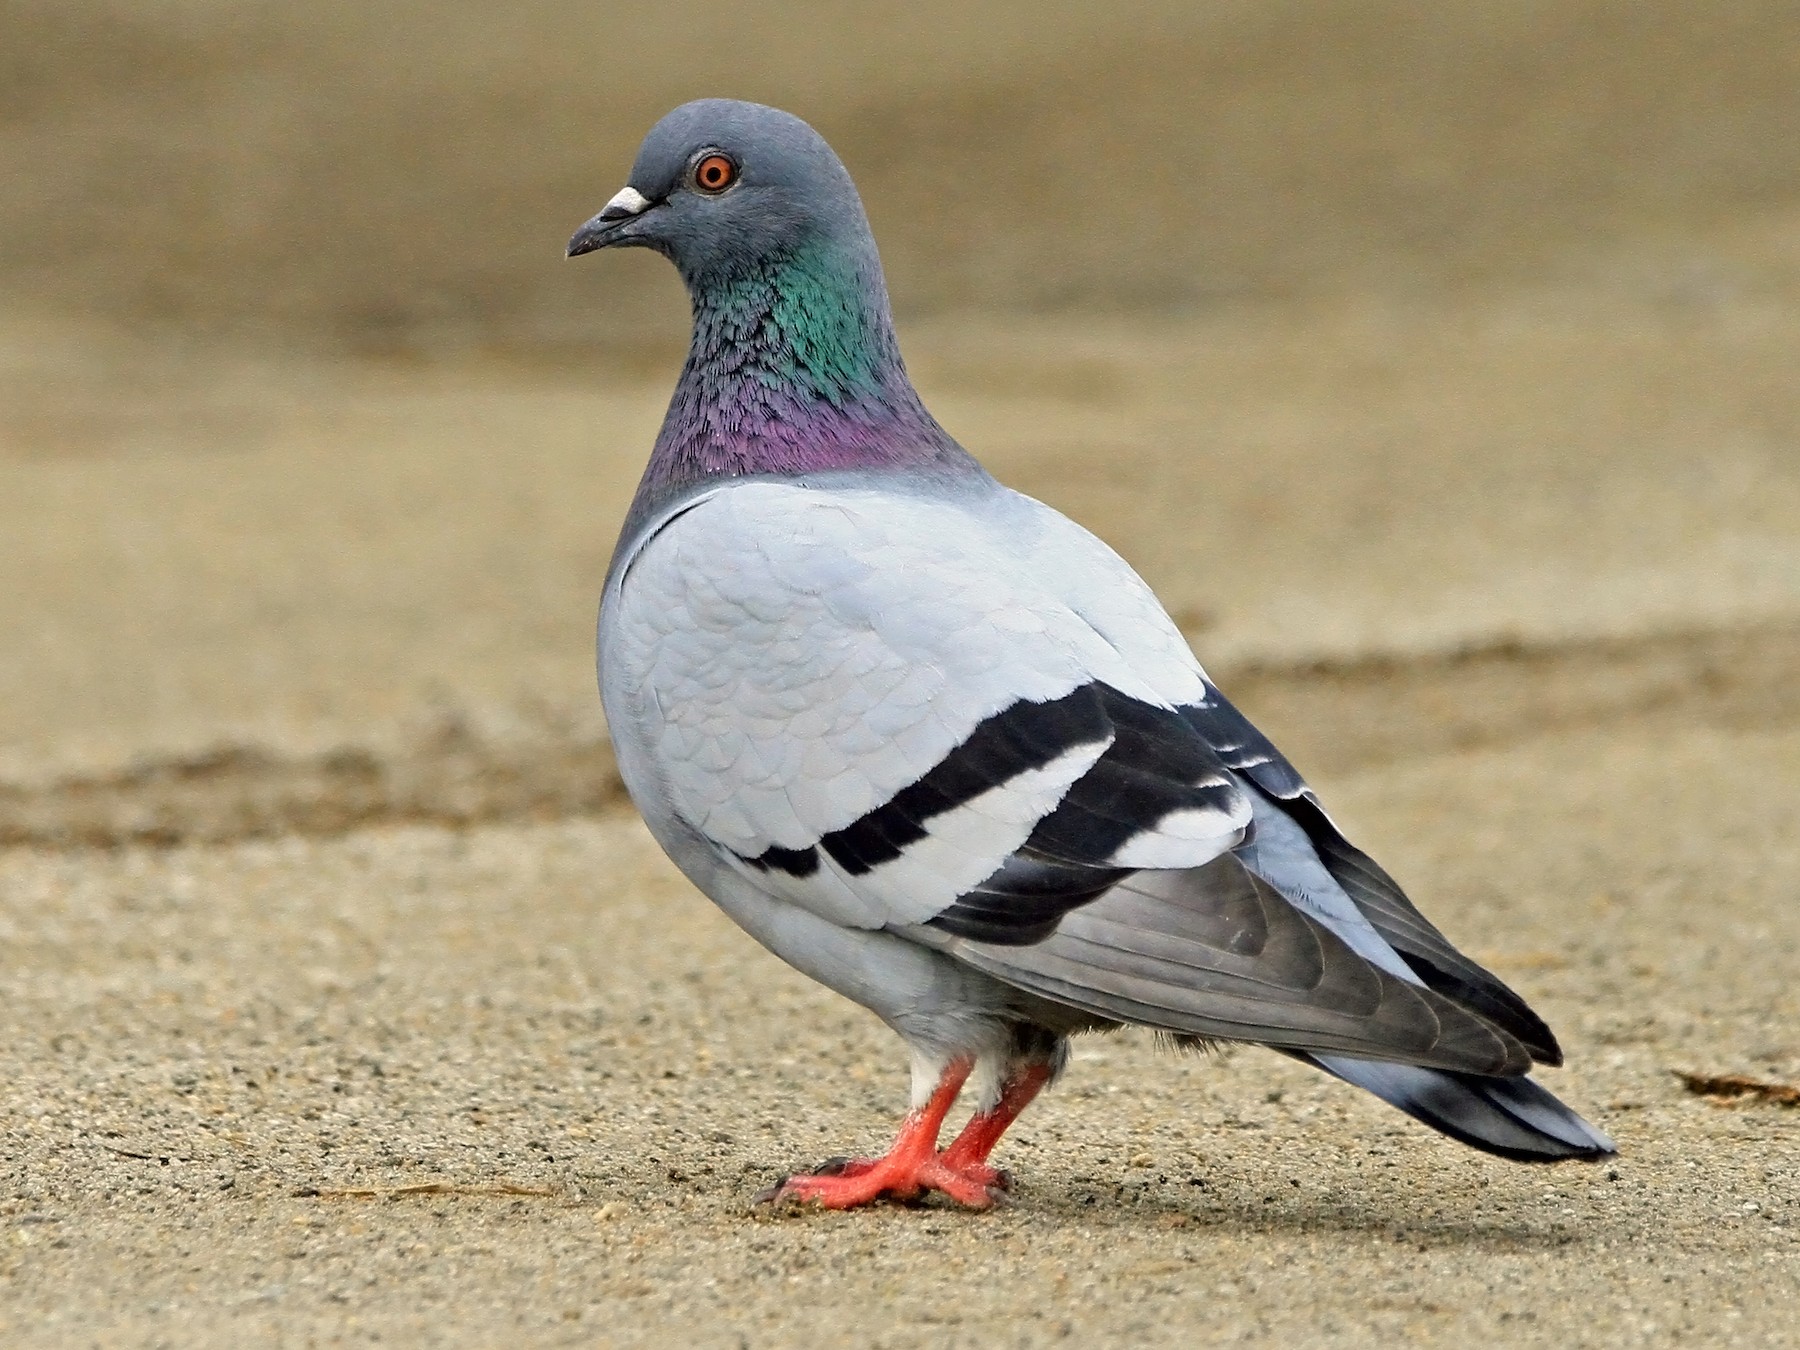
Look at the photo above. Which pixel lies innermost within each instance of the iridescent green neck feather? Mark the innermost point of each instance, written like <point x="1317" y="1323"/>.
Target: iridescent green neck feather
<point x="794" y="368"/>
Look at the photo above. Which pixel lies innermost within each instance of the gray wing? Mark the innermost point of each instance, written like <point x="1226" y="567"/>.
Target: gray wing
<point x="1217" y="952"/>
<point x="1376" y="896"/>
<point x="1295" y="939"/>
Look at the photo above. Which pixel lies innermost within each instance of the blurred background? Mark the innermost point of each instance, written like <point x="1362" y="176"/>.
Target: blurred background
<point x="1372" y="332"/>
<point x="393" y="177"/>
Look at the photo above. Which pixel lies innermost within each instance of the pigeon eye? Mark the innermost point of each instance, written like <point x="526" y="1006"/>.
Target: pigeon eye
<point x="715" y="173"/>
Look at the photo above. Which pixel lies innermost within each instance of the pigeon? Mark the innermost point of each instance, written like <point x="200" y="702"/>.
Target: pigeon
<point x="941" y="749"/>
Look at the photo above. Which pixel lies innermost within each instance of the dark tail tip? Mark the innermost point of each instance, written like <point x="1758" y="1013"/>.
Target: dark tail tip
<point x="1509" y="1117"/>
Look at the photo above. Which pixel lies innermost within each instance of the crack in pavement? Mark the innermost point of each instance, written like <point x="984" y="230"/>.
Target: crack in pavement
<point x="1331" y="717"/>
<point x="1338" y="717"/>
<point x="240" y="792"/>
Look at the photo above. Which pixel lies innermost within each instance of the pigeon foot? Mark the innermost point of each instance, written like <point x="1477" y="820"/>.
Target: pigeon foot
<point x="895" y="1176"/>
<point x="995" y="1177"/>
<point x="906" y="1171"/>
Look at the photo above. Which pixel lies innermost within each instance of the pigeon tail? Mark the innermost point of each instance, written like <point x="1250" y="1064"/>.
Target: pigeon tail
<point x="1512" y="1118"/>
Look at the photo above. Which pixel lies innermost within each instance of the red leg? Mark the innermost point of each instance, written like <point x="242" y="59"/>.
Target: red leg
<point x="911" y="1167"/>
<point x="968" y="1153"/>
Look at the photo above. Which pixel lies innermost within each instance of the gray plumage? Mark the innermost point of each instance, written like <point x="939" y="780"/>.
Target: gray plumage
<point x="940" y="748"/>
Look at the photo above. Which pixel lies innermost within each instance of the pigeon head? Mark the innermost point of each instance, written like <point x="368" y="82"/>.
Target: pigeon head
<point x="793" y="367"/>
<point x="720" y="187"/>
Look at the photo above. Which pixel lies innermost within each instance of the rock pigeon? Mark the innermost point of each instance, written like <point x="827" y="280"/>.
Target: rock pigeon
<point x="941" y="749"/>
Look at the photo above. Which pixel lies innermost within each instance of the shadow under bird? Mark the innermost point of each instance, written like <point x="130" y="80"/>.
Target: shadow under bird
<point x="941" y="749"/>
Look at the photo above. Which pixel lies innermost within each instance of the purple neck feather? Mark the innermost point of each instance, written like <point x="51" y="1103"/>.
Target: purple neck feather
<point x="793" y="368"/>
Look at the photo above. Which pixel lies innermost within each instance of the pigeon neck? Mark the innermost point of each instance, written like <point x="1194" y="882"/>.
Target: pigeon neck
<point x="793" y="368"/>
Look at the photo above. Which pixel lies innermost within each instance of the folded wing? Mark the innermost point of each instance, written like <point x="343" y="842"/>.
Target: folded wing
<point x="892" y="712"/>
<point x="1217" y="952"/>
<point x="1376" y="895"/>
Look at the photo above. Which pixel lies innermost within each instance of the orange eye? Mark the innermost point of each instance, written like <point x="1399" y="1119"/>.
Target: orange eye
<point x="715" y="173"/>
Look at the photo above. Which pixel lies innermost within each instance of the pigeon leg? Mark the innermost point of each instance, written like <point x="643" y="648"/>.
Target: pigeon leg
<point x="968" y="1153"/>
<point x="907" y="1170"/>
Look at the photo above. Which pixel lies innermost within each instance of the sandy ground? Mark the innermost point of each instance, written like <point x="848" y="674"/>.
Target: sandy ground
<point x="446" y="1087"/>
<point x="1444" y="388"/>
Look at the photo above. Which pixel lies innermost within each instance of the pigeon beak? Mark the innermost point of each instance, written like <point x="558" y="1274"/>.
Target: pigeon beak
<point x="604" y="228"/>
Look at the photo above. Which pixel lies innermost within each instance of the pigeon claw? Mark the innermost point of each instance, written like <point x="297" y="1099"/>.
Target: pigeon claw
<point x="853" y="1182"/>
<point x="914" y="1166"/>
